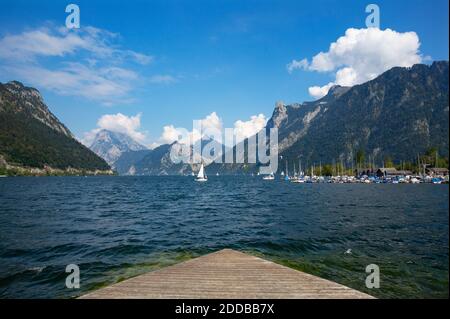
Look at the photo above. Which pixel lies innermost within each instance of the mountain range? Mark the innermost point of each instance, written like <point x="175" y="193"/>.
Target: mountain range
<point x="158" y="160"/>
<point x="398" y="115"/>
<point x="401" y="113"/>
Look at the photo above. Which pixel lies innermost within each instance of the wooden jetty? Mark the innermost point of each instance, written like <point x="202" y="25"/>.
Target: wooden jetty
<point x="227" y="274"/>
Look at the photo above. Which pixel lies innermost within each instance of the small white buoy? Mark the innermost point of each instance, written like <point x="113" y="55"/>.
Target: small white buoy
<point x="348" y="252"/>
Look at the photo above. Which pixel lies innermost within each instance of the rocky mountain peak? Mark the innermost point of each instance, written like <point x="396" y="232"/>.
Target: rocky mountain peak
<point x="16" y="84"/>
<point x="337" y="90"/>
<point x="29" y="93"/>
<point x="29" y="100"/>
<point x="442" y="66"/>
<point x="280" y="114"/>
<point x="31" y="136"/>
<point x="104" y="136"/>
<point x="111" y="145"/>
<point x="402" y="112"/>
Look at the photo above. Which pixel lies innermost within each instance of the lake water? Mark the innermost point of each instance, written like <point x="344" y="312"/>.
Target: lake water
<point x="117" y="227"/>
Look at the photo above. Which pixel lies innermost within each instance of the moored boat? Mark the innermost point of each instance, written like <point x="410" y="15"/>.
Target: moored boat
<point x="269" y="177"/>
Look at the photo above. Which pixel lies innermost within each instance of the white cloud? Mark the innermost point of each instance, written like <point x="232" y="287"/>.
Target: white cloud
<point x="302" y="64"/>
<point x="30" y="44"/>
<point x="107" y="85"/>
<point x="118" y="73"/>
<point x="60" y="42"/>
<point x="120" y="123"/>
<point x="86" y="62"/>
<point x="162" y="79"/>
<point x="169" y="135"/>
<point x="139" y="57"/>
<point x="246" y="129"/>
<point x="211" y="124"/>
<point x="320" y="91"/>
<point x="361" y="55"/>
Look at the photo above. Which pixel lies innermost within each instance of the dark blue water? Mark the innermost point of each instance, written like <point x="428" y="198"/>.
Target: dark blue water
<point x="117" y="227"/>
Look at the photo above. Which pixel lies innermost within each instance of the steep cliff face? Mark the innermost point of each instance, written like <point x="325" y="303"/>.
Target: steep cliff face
<point x="17" y="98"/>
<point x="399" y="114"/>
<point x="31" y="135"/>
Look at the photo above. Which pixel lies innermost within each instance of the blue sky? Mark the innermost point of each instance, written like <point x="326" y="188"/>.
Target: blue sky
<point x="176" y="61"/>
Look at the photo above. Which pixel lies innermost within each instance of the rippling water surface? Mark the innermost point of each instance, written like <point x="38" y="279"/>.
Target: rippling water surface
<point x="118" y="227"/>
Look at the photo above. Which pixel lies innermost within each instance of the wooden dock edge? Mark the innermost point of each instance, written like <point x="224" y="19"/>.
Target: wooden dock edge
<point x="226" y="274"/>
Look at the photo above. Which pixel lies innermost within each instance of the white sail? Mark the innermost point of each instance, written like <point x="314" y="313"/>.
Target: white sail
<point x="201" y="176"/>
<point x="201" y="173"/>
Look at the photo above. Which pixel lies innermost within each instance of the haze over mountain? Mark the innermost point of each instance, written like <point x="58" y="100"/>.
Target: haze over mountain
<point x="30" y="135"/>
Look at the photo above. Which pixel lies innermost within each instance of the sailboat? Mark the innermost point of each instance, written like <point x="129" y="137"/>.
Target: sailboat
<point x="270" y="177"/>
<point x="201" y="176"/>
<point x="286" y="176"/>
<point x="295" y="178"/>
<point x="301" y="177"/>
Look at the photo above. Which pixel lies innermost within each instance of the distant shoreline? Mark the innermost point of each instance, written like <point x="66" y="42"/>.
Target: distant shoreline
<point x="18" y="171"/>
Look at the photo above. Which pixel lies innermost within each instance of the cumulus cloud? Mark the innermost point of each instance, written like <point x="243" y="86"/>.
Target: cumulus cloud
<point x="170" y="134"/>
<point x="361" y="55"/>
<point x="246" y="129"/>
<point x="320" y="91"/>
<point x="212" y="122"/>
<point x="84" y="62"/>
<point x="120" y="123"/>
<point x="207" y="126"/>
<point x="210" y="125"/>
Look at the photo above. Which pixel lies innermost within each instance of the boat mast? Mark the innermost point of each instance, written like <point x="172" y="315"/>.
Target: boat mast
<point x="287" y="170"/>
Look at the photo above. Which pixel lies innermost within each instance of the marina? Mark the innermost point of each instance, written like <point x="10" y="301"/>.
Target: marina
<point x="379" y="176"/>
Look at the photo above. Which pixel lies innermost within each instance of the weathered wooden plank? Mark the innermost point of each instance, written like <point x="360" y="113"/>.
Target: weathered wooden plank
<point x="227" y="274"/>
